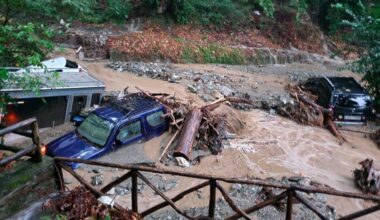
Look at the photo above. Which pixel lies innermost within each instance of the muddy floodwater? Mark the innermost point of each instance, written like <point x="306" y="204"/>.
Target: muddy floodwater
<point x="269" y="146"/>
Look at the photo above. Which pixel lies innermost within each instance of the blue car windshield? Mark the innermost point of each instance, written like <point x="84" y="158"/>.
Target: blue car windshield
<point x="95" y="129"/>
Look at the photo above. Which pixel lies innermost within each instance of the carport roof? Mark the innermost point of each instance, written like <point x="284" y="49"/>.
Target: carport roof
<point x="66" y="80"/>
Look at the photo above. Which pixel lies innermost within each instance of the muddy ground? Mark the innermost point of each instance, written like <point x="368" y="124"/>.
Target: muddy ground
<point x="269" y="146"/>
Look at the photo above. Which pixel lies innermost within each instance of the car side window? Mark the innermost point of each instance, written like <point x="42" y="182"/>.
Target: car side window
<point x="129" y="131"/>
<point x="155" y="119"/>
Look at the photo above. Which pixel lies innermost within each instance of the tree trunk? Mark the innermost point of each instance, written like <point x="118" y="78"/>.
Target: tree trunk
<point x="188" y="134"/>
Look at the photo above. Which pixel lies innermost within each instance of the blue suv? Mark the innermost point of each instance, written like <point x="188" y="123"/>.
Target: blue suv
<point x="133" y="118"/>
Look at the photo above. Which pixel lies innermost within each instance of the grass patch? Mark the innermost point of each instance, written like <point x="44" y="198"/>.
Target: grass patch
<point x="212" y="53"/>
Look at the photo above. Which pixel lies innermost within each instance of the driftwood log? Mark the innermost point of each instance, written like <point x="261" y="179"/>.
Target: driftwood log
<point x="188" y="133"/>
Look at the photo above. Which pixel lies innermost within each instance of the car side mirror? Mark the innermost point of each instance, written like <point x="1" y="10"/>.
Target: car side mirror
<point x="78" y="120"/>
<point x="117" y="143"/>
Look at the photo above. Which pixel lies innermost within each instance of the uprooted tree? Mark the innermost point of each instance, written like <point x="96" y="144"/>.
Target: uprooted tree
<point x="305" y="110"/>
<point x="197" y="124"/>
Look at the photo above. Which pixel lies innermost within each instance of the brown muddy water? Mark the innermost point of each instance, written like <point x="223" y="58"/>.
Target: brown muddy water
<point x="270" y="146"/>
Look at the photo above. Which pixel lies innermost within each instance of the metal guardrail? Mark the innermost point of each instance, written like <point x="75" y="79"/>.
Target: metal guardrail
<point x="33" y="150"/>
<point x="290" y="193"/>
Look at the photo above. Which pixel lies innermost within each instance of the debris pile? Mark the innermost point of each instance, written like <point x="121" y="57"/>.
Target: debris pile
<point x="80" y="203"/>
<point x="197" y="126"/>
<point x="304" y="110"/>
<point x="368" y="177"/>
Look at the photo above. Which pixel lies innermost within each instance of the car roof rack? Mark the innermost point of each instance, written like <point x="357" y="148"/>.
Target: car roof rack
<point x="134" y="103"/>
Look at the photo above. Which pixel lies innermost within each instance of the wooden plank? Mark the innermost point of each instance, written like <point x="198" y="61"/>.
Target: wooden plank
<point x="18" y="125"/>
<point x="167" y="199"/>
<point x="361" y="213"/>
<point x="259" y="206"/>
<point x="174" y="199"/>
<point x="134" y="194"/>
<point x="212" y="201"/>
<point x="309" y="206"/>
<point x="289" y="205"/>
<point x="18" y="155"/>
<point x="231" y="202"/>
<point x="169" y="143"/>
<point x="119" y="180"/>
<point x="324" y="190"/>
<point x="59" y="176"/>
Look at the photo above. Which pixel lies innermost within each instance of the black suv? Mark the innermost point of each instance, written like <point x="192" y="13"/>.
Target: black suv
<point x="344" y="96"/>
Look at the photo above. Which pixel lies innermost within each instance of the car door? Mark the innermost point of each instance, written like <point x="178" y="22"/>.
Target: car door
<point x="156" y="124"/>
<point x="129" y="133"/>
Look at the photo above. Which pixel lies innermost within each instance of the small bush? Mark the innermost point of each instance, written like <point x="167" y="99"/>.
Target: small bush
<point x="212" y="53"/>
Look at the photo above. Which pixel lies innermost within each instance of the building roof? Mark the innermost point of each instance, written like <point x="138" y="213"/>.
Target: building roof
<point x="66" y="80"/>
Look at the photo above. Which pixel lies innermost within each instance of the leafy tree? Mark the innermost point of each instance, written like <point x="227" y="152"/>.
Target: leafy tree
<point x="365" y="32"/>
<point x="20" y="46"/>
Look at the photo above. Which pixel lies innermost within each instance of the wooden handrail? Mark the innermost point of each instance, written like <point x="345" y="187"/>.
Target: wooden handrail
<point x="291" y="191"/>
<point x="16" y="126"/>
<point x="257" y="182"/>
<point x="18" y="155"/>
<point x="33" y="150"/>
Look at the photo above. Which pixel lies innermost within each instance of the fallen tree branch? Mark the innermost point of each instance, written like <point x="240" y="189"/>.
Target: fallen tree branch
<point x="169" y="143"/>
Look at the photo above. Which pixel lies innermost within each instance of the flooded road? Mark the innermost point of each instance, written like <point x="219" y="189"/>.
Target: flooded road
<point x="269" y="146"/>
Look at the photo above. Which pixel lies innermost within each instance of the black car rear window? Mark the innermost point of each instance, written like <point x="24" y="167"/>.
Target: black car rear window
<point x="353" y="101"/>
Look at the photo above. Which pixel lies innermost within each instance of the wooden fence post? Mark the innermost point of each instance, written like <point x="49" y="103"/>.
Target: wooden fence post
<point x="289" y="205"/>
<point x="36" y="140"/>
<point x="134" y="191"/>
<point x="211" y="206"/>
<point x="59" y="176"/>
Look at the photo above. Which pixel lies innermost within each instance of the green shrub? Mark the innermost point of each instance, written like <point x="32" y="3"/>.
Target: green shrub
<point x="118" y="10"/>
<point x="217" y="12"/>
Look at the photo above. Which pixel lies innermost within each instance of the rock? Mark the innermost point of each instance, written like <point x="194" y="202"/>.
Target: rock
<point x="272" y="111"/>
<point x="226" y="91"/>
<point x="96" y="170"/>
<point x="192" y="88"/>
<point x="229" y="135"/>
<point x="106" y="200"/>
<point x="97" y="180"/>
<point x="182" y="162"/>
<point x="174" y="78"/>
<point x="121" y="190"/>
<point x="111" y="191"/>
<point x="207" y="97"/>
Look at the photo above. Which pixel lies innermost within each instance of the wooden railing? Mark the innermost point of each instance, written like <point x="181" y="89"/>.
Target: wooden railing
<point x="291" y="192"/>
<point x="34" y="150"/>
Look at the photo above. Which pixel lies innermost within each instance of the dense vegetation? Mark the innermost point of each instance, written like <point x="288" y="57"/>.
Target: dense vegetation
<point x="23" y="41"/>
